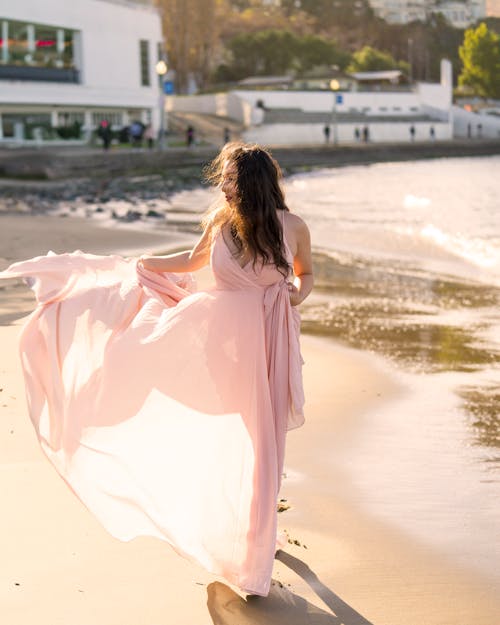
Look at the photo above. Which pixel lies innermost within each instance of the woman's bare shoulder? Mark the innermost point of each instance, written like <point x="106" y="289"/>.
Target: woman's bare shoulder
<point x="296" y="232"/>
<point x="295" y="224"/>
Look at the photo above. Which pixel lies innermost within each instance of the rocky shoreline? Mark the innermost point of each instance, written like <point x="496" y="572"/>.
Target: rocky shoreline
<point x="35" y="181"/>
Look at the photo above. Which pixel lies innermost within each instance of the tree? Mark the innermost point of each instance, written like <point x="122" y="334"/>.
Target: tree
<point x="250" y="17"/>
<point x="369" y="59"/>
<point x="330" y="12"/>
<point x="191" y="29"/>
<point x="275" y="52"/>
<point x="263" y="53"/>
<point x="313" y="51"/>
<point x="480" y="55"/>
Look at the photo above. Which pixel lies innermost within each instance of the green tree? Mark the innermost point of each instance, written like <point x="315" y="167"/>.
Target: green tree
<point x="313" y="51"/>
<point x="262" y="53"/>
<point x="275" y="52"/>
<point x="329" y="12"/>
<point x="480" y="55"/>
<point x="369" y="59"/>
<point x="251" y="17"/>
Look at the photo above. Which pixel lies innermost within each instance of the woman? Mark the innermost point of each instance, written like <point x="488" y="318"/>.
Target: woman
<point x="165" y="410"/>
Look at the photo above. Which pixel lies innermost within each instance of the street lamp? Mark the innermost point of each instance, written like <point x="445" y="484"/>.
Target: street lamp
<point x="410" y="60"/>
<point x="161" y="70"/>
<point x="334" y="86"/>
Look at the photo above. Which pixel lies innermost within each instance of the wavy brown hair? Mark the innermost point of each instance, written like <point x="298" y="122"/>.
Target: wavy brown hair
<point x="252" y="216"/>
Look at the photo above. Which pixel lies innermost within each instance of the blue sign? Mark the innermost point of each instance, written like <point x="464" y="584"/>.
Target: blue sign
<point x="339" y="98"/>
<point x="168" y="87"/>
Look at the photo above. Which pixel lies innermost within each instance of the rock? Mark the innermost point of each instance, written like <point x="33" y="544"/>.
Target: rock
<point x="282" y="507"/>
<point x="131" y="216"/>
<point x="153" y="213"/>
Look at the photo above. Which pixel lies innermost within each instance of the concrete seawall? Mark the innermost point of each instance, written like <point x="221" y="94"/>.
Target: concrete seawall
<point x="61" y="163"/>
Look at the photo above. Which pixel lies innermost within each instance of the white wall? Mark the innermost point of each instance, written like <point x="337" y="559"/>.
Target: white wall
<point x="490" y="125"/>
<point x="373" y="103"/>
<point x="319" y="101"/>
<point x="221" y="104"/>
<point x="110" y="34"/>
<point x="312" y="134"/>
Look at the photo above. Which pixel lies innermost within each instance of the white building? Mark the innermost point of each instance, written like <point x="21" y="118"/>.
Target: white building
<point x="296" y="117"/>
<point x="65" y="63"/>
<point x="400" y="11"/>
<point x="493" y="8"/>
<point x="460" y="13"/>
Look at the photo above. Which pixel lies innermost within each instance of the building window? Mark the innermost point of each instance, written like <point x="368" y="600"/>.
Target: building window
<point x="68" y="118"/>
<point x="35" y="45"/>
<point x="47" y="45"/>
<point x="115" y="118"/>
<point x="144" y="59"/>
<point x="29" y="126"/>
<point x="17" y="41"/>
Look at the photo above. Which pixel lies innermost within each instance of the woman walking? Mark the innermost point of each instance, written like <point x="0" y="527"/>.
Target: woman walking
<point x="166" y="410"/>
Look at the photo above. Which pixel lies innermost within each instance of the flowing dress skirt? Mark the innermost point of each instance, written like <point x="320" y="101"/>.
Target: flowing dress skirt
<point x="166" y="410"/>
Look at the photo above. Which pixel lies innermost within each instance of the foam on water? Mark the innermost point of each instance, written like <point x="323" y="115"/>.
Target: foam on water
<point x="479" y="252"/>
<point x="440" y="215"/>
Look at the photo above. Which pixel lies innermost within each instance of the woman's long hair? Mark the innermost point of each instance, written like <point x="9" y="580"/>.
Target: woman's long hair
<point x="252" y="217"/>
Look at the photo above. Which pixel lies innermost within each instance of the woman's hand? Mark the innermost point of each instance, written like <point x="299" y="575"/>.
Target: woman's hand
<point x="142" y="260"/>
<point x="180" y="262"/>
<point x="294" y="293"/>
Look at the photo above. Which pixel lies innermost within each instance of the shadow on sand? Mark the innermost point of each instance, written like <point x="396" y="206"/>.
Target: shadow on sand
<point x="281" y="607"/>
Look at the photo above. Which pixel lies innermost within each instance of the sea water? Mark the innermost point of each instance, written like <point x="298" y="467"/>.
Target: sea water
<point x="407" y="259"/>
<point x="407" y="264"/>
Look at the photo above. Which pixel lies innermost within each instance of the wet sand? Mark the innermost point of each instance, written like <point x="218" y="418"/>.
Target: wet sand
<point x="341" y="566"/>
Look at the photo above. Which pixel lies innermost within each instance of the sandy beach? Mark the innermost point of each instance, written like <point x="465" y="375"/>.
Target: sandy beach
<point x="341" y="566"/>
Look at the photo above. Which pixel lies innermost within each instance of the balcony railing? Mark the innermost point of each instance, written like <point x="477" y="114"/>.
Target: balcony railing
<point x="39" y="74"/>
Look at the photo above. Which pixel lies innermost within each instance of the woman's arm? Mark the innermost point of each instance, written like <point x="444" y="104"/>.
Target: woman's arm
<point x="190" y="260"/>
<point x="302" y="266"/>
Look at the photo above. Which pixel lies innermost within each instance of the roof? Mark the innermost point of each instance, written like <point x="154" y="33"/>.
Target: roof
<point x="265" y="80"/>
<point x="391" y="74"/>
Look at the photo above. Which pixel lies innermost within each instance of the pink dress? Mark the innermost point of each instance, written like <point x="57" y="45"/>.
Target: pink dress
<point x="166" y="410"/>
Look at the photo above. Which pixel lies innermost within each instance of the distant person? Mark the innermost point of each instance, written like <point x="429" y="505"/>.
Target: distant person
<point x="432" y="133"/>
<point x="136" y="133"/>
<point x="124" y="134"/>
<point x="227" y="135"/>
<point x="469" y="131"/>
<point x="479" y="131"/>
<point x="149" y="136"/>
<point x="357" y="135"/>
<point x="366" y="134"/>
<point x="326" y="133"/>
<point x="189" y="136"/>
<point x="105" y="134"/>
<point x="412" y="133"/>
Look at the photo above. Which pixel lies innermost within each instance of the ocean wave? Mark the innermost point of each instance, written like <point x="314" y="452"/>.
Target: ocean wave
<point x="476" y="250"/>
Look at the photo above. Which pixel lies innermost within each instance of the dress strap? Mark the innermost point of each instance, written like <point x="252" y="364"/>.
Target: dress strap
<point x="285" y="242"/>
